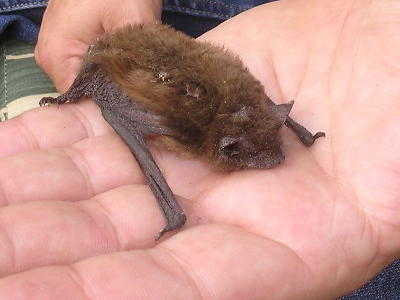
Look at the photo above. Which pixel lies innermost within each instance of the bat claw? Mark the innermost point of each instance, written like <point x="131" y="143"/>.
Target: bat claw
<point x="161" y="233"/>
<point x="47" y="101"/>
<point x="318" y="135"/>
<point x="177" y="222"/>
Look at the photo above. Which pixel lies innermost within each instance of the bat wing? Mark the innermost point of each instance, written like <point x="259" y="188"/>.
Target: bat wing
<point x="132" y="123"/>
<point x="134" y="139"/>
<point x="281" y="113"/>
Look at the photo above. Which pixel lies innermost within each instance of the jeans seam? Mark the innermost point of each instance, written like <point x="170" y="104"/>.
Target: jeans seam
<point x="206" y="13"/>
<point x="23" y="5"/>
<point x="5" y="75"/>
<point x="196" y="11"/>
<point x="215" y="3"/>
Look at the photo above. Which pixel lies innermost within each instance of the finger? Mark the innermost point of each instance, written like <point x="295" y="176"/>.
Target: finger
<point x="70" y="174"/>
<point x="208" y="262"/>
<point x="89" y="167"/>
<point x="64" y="37"/>
<point x="35" y="234"/>
<point x="52" y="126"/>
<point x="69" y="27"/>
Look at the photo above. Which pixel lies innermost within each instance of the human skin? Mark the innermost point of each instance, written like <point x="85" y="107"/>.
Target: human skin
<point x="78" y="220"/>
<point x="70" y="26"/>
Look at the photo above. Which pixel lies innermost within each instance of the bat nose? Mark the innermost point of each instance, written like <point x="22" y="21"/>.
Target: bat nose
<point x="275" y="160"/>
<point x="266" y="160"/>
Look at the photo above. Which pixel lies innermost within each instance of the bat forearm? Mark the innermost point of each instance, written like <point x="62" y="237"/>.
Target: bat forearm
<point x="134" y="139"/>
<point x="306" y="137"/>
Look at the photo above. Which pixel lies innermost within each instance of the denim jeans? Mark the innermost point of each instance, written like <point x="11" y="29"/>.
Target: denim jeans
<point x="21" y="20"/>
<point x="384" y="286"/>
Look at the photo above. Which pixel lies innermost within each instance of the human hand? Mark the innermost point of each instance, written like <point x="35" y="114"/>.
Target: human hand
<point x="69" y="27"/>
<point x="79" y="221"/>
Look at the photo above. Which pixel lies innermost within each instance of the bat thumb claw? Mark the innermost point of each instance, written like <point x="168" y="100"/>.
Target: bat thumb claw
<point x="161" y="233"/>
<point x="177" y="222"/>
<point x="318" y="135"/>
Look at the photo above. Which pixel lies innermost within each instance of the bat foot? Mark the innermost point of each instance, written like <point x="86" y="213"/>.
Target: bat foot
<point x="58" y="100"/>
<point x="178" y="220"/>
<point x="47" y="101"/>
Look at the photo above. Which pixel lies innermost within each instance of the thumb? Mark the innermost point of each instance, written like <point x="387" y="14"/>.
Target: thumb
<point x="70" y="26"/>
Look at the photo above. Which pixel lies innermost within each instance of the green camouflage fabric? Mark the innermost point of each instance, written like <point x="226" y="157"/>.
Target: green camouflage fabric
<point x="23" y="83"/>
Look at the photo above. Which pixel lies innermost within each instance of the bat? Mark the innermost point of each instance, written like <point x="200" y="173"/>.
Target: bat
<point x="197" y="98"/>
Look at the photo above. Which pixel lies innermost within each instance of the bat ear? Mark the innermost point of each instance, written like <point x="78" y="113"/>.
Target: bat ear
<point x="281" y="111"/>
<point x="229" y="146"/>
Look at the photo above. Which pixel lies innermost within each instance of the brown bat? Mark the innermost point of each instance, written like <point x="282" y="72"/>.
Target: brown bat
<point x="198" y="98"/>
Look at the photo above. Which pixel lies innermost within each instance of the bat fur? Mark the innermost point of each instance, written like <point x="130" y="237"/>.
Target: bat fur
<point x="198" y="98"/>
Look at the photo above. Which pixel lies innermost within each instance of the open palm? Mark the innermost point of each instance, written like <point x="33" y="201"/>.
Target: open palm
<point x="79" y="221"/>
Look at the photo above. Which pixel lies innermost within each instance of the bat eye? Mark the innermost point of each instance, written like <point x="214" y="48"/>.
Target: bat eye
<point x="233" y="146"/>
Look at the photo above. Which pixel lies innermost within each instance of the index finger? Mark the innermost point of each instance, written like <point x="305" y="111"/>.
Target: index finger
<point x="50" y="127"/>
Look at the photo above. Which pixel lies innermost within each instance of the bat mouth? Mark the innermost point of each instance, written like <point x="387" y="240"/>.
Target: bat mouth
<point x="265" y="160"/>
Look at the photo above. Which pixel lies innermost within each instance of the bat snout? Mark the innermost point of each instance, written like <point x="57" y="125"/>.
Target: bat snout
<point x="266" y="160"/>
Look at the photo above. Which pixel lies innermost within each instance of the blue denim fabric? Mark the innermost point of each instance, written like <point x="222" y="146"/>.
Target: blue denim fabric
<point x="384" y="286"/>
<point x="218" y="9"/>
<point x="194" y="17"/>
<point x="21" y="19"/>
